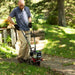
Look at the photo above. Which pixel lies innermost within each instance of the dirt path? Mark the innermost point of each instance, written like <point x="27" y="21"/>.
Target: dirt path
<point x="59" y="64"/>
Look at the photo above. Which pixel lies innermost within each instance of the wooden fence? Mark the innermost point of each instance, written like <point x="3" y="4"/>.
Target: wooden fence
<point x="11" y="32"/>
<point x="5" y="32"/>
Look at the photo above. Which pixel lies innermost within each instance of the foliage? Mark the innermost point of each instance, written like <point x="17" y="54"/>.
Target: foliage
<point x="49" y="10"/>
<point x="8" y="39"/>
<point x="4" y="23"/>
<point x="70" y="12"/>
<point x="46" y="7"/>
<point x="52" y="18"/>
<point x="6" y="51"/>
<point x="38" y="26"/>
<point x="60" y="41"/>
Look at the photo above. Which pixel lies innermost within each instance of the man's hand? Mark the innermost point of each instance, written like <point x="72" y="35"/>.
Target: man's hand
<point x="30" y="25"/>
<point x="16" y="26"/>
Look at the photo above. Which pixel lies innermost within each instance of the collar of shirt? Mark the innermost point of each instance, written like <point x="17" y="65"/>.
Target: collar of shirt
<point x="22" y="9"/>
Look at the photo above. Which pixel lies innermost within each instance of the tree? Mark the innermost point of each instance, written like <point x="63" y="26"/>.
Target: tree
<point x="61" y="13"/>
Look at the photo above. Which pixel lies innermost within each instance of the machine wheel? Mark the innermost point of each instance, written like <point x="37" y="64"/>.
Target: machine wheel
<point x="38" y="63"/>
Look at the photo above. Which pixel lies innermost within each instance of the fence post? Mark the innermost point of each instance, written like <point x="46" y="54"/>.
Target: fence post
<point x="13" y="37"/>
<point x="5" y="35"/>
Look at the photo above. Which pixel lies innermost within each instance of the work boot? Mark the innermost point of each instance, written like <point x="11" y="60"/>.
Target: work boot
<point x="21" y="60"/>
<point x="27" y="60"/>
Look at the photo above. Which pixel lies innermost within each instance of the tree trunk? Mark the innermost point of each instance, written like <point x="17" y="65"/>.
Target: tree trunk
<point x="61" y="13"/>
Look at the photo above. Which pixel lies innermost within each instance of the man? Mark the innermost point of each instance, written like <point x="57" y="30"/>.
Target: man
<point x="23" y="20"/>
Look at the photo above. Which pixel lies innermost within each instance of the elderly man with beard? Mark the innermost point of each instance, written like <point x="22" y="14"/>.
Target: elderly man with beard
<point x="23" y="20"/>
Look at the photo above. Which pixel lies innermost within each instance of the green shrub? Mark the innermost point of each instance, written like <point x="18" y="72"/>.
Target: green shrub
<point x="52" y="18"/>
<point x="35" y="27"/>
<point x="72" y="22"/>
<point x="8" y="39"/>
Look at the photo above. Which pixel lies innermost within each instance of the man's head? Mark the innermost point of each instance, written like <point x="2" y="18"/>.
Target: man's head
<point x="21" y="4"/>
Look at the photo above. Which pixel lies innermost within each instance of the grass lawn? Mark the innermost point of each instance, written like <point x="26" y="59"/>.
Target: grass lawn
<point x="60" y="41"/>
<point x="6" y="51"/>
<point x="12" y="68"/>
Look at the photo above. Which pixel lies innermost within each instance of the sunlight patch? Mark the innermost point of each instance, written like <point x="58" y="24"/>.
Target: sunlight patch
<point x="62" y="45"/>
<point x="68" y="30"/>
<point x="46" y="41"/>
<point x="35" y="1"/>
<point x="73" y="41"/>
<point x="71" y="48"/>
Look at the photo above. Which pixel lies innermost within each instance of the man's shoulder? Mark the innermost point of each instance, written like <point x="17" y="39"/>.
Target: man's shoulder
<point x="16" y="8"/>
<point x="26" y="7"/>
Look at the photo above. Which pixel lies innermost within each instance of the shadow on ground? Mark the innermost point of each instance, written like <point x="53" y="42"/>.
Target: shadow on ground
<point x="60" y="41"/>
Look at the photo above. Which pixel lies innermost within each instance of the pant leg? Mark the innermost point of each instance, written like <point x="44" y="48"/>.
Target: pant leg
<point x="27" y="49"/>
<point x="18" y="43"/>
<point x="24" y="47"/>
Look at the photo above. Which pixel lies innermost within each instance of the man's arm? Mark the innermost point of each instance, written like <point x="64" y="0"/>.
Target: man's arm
<point x="12" y="14"/>
<point x="30" y="23"/>
<point x="29" y="15"/>
<point x="30" y="20"/>
<point x="10" y="20"/>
